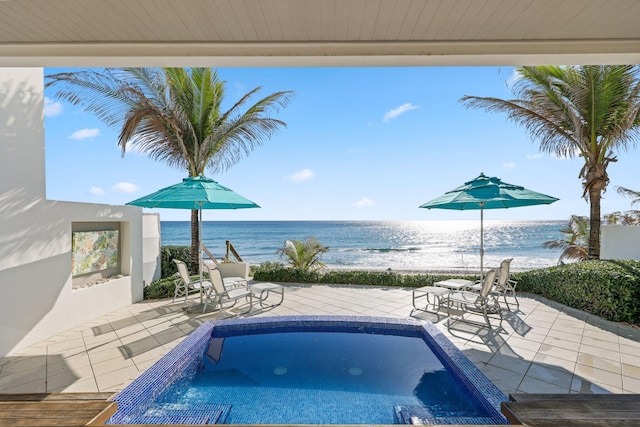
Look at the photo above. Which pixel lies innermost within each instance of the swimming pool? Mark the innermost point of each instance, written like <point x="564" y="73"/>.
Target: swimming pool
<point x="261" y="371"/>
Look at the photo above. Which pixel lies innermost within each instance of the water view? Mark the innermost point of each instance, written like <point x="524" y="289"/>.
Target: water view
<point x="380" y="245"/>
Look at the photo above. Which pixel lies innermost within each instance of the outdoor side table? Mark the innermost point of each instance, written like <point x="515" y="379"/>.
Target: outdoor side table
<point x="424" y="292"/>
<point x="262" y="291"/>
<point x="455" y="284"/>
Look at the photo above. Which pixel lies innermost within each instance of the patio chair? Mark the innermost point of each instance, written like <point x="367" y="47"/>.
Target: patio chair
<point x="484" y="303"/>
<point x="217" y="295"/>
<point x="229" y="282"/>
<point x="185" y="285"/>
<point x="505" y="284"/>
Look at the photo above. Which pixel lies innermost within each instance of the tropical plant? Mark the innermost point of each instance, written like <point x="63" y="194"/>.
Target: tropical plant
<point x="305" y="255"/>
<point x="624" y="218"/>
<point x="586" y="111"/>
<point x="629" y="193"/>
<point x="576" y="237"/>
<point x="175" y="116"/>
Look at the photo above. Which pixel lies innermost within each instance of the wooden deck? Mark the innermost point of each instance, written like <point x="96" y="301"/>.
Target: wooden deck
<point x="56" y="409"/>
<point x="568" y="410"/>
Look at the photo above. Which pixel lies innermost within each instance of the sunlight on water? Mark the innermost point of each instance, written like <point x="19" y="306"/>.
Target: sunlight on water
<point x="398" y="245"/>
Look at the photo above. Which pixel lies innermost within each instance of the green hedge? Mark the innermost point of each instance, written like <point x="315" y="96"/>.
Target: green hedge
<point x="609" y="289"/>
<point x="168" y="254"/>
<point x="163" y="288"/>
<point x="272" y="272"/>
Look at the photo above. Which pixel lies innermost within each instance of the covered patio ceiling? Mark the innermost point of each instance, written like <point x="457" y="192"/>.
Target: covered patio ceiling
<point x="317" y="32"/>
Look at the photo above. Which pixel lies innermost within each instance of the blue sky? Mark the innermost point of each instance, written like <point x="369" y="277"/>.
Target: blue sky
<point x="361" y="144"/>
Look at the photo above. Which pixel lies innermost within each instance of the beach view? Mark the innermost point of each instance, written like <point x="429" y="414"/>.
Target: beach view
<point x="319" y="213"/>
<point x="418" y="246"/>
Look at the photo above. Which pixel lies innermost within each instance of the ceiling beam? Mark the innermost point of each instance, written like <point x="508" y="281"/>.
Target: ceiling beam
<point x="560" y="52"/>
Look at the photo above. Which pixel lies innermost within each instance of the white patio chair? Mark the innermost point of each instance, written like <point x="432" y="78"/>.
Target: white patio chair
<point x="217" y="295"/>
<point x="185" y="285"/>
<point x="504" y="284"/>
<point x="484" y="303"/>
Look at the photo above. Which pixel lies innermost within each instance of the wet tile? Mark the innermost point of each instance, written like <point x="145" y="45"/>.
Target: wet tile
<point x="600" y="363"/>
<point x="603" y="353"/>
<point x="631" y="371"/>
<point x="598" y="376"/>
<point x="560" y="353"/>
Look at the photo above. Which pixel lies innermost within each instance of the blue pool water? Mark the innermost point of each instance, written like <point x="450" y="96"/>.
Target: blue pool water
<point x="312" y="370"/>
<point x="324" y="377"/>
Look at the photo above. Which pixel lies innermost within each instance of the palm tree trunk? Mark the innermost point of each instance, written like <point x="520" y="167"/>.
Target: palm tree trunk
<point x="595" y="195"/>
<point x="195" y="243"/>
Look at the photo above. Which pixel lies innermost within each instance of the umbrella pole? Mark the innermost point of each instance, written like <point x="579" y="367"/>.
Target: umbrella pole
<point x="200" y="250"/>
<point x="481" y="240"/>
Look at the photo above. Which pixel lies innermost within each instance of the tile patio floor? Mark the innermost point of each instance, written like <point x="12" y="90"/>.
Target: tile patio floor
<point x="543" y="348"/>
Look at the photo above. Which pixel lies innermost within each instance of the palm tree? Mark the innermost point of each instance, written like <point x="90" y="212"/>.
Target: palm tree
<point x="630" y="217"/>
<point x="629" y="193"/>
<point x="304" y="254"/>
<point x="175" y="116"/>
<point x="585" y="111"/>
<point x="576" y="237"/>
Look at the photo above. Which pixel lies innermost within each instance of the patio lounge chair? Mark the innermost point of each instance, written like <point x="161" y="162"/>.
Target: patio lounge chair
<point x="185" y="285"/>
<point x="504" y="284"/>
<point x="484" y="303"/>
<point x="218" y="294"/>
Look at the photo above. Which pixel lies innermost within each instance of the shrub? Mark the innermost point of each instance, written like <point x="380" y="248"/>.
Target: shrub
<point x="606" y="288"/>
<point x="163" y="288"/>
<point x="168" y="254"/>
<point x="271" y="272"/>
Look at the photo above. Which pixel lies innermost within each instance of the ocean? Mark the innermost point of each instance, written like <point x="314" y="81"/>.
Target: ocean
<point x="382" y="245"/>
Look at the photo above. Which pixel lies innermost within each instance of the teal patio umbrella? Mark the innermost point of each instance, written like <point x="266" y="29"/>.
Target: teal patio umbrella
<point x="195" y="193"/>
<point x="487" y="193"/>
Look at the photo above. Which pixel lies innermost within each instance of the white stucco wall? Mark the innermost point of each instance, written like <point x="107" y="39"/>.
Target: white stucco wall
<point x="620" y="242"/>
<point x="36" y="295"/>
<point x="150" y="248"/>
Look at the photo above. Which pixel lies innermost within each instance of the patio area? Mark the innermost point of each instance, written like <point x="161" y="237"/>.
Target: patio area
<point x="542" y="348"/>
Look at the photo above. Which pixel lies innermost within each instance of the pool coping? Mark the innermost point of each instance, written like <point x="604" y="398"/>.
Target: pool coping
<point x="134" y="400"/>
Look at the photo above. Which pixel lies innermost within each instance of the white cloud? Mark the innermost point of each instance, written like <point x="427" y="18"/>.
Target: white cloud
<point x="52" y="108"/>
<point x="96" y="191"/>
<point x="125" y="187"/>
<point x="534" y="156"/>
<point x="389" y="115"/>
<point x="509" y="165"/>
<point x="85" y="133"/>
<point x="301" y="175"/>
<point x="364" y="202"/>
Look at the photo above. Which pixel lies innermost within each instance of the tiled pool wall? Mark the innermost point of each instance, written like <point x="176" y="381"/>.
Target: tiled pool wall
<point x="180" y="362"/>
<point x="464" y="370"/>
<point x="183" y="361"/>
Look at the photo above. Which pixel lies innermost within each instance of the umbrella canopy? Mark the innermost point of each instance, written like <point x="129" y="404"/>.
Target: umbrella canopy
<point x="195" y="193"/>
<point x="487" y="193"/>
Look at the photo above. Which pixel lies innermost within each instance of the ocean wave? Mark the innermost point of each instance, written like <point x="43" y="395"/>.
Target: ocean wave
<point x="380" y="250"/>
